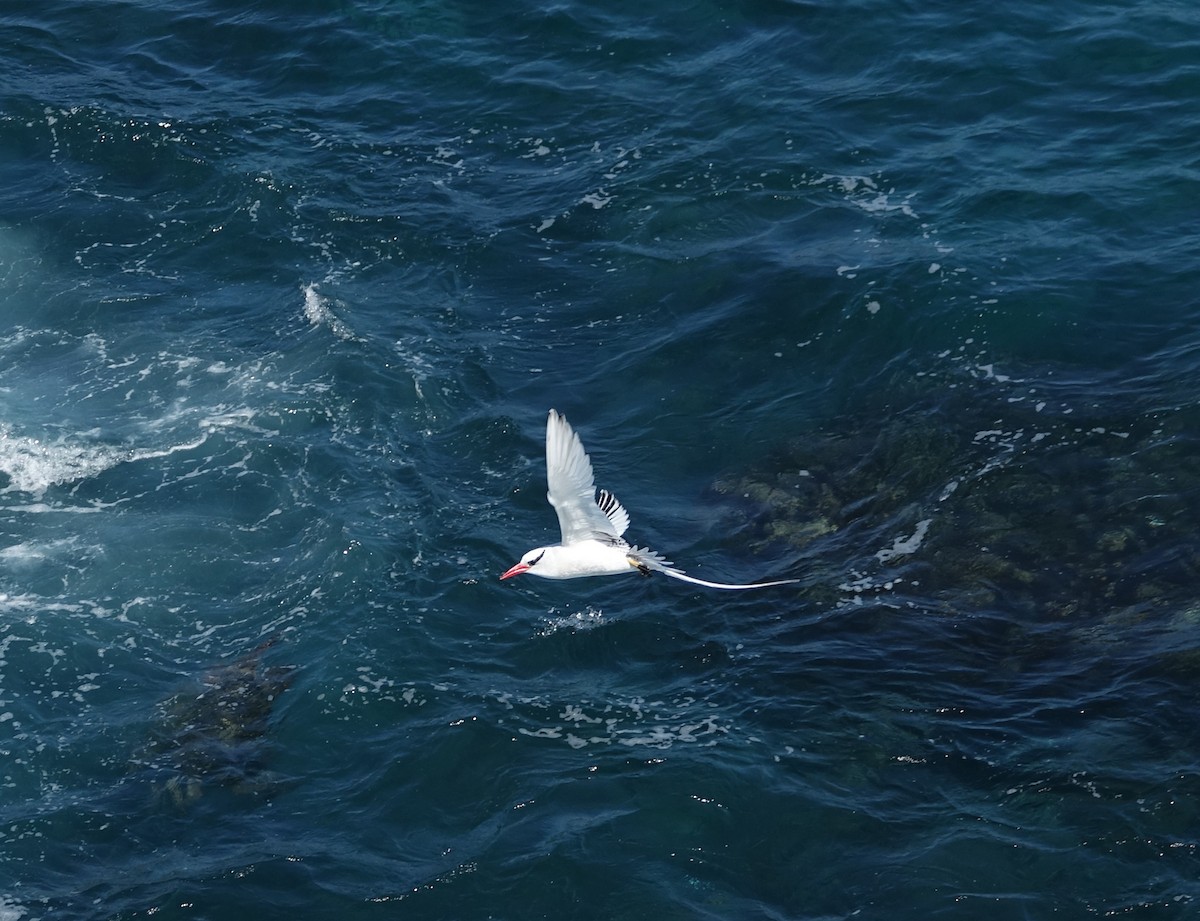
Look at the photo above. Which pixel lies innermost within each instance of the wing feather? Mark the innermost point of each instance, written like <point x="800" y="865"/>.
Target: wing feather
<point x="615" y="511"/>
<point x="572" y="487"/>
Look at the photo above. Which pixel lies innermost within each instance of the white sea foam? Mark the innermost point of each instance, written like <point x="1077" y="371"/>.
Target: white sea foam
<point x="904" y="546"/>
<point x="33" y="465"/>
<point x="704" y="731"/>
<point x="597" y="199"/>
<point x="366" y="685"/>
<point x="633" y="723"/>
<point x="318" y="312"/>
<point x="33" y="552"/>
<point x="586" y="619"/>
<point x="864" y="192"/>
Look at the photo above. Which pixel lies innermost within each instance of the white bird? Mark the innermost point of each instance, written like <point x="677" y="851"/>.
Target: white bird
<point x="591" y="525"/>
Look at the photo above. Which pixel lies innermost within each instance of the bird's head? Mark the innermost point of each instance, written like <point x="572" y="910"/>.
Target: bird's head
<point x="527" y="564"/>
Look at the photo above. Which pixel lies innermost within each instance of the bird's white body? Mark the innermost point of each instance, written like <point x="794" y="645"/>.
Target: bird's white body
<point x="592" y="527"/>
<point x="583" y="558"/>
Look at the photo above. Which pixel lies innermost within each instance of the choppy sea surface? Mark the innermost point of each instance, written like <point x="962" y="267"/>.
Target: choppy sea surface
<point x="899" y="300"/>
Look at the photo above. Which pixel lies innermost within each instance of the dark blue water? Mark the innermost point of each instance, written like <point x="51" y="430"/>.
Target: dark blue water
<point x="900" y="301"/>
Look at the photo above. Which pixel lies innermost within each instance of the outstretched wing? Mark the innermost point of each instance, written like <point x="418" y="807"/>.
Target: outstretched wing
<point x="572" y="488"/>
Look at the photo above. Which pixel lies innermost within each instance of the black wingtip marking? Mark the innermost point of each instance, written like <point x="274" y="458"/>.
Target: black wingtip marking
<point x="607" y="502"/>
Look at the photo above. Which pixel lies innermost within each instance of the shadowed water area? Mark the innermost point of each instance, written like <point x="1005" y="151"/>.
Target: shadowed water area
<point x="897" y="301"/>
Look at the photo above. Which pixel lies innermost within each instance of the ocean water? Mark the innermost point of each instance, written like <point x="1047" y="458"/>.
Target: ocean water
<point x="898" y="300"/>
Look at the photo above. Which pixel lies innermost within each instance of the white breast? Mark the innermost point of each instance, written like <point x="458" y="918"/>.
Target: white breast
<point x="582" y="558"/>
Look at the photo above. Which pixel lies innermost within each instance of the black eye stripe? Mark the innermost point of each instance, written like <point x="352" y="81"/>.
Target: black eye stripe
<point x="539" y="556"/>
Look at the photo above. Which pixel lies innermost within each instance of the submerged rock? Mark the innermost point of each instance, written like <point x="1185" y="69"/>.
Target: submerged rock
<point x="1051" y="517"/>
<point x="215" y="732"/>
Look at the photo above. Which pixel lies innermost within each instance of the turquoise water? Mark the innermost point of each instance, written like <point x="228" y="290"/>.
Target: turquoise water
<point x="897" y="301"/>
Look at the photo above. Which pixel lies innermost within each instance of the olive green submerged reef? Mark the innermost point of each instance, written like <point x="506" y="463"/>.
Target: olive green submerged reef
<point x="214" y="732"/>
<point x="1051" y="516"/>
